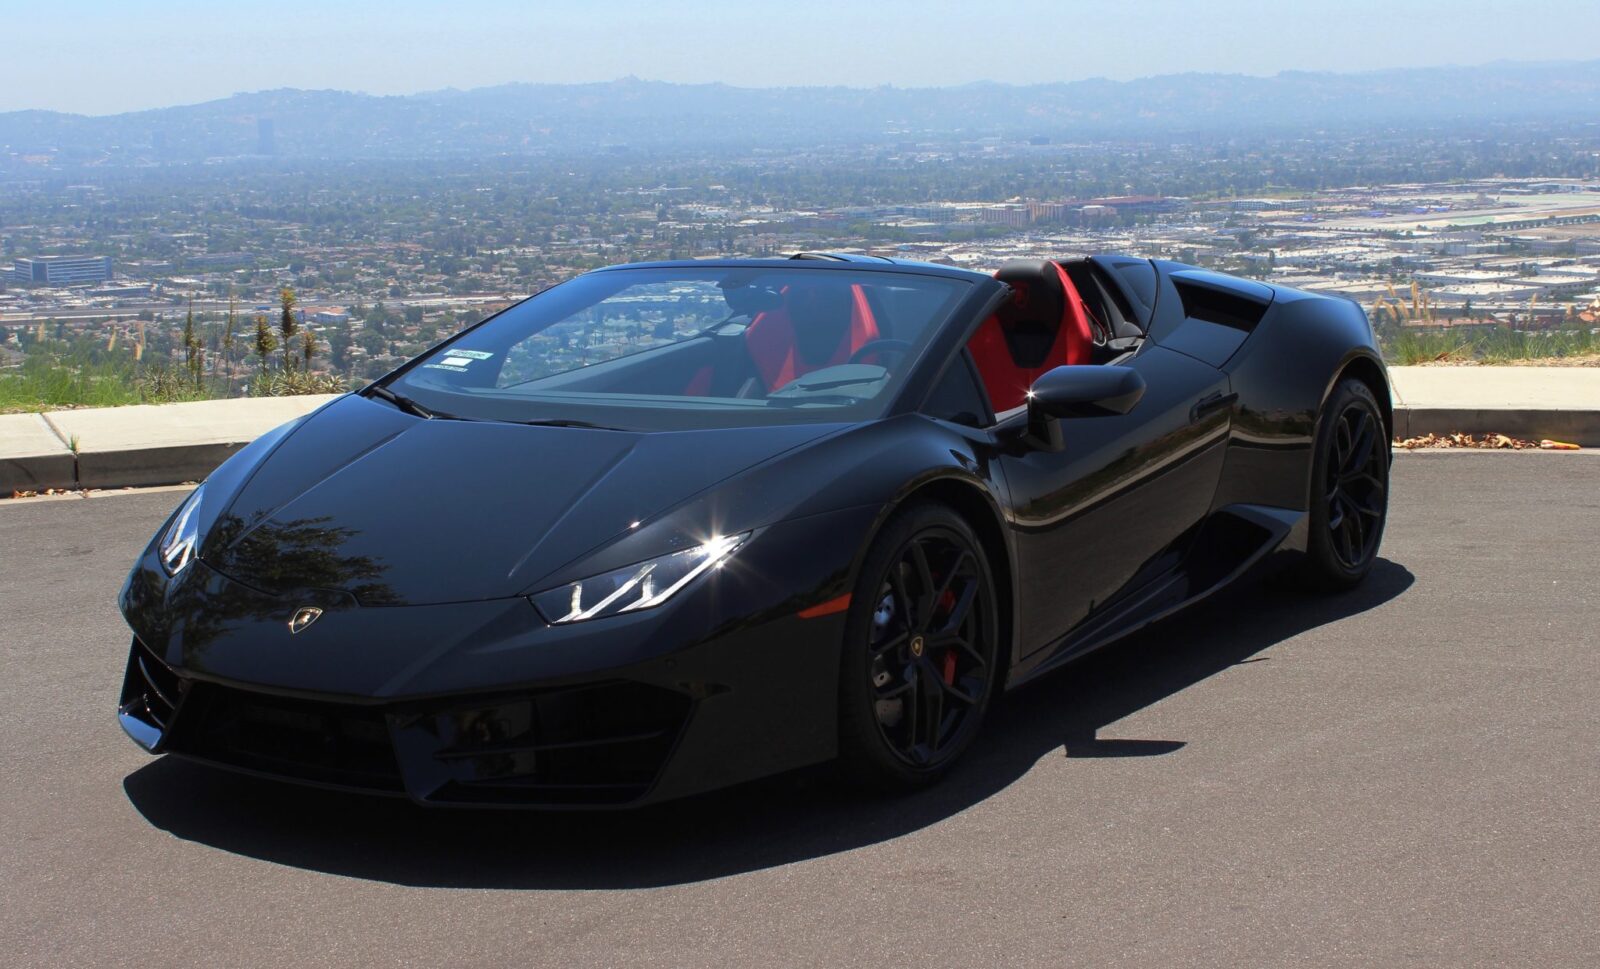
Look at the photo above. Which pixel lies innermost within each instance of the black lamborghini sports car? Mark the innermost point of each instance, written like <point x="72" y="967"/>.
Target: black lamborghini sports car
<point x="667" y="527"/>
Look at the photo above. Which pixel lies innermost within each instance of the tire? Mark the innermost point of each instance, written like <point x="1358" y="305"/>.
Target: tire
<point x="918" y="669"/>
<point x="1349" y="498"/>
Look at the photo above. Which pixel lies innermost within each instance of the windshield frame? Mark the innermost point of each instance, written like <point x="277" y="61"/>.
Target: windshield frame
<point x="943" y="333"/>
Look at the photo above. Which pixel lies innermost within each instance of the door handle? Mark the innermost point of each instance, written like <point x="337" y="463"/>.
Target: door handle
<point x="1207" y="405"/>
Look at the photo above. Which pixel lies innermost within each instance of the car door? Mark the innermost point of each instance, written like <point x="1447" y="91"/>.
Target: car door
<point x="1116" y="505"/>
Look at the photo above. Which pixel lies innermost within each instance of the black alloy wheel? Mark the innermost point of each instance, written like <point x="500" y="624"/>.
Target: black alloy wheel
<point x="919" y="665"/>
<point x="1350" y="490"/>
<point x="1355" y="486"/>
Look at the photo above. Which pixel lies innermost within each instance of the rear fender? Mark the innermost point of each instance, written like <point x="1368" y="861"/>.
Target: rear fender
<point x="1283" y="374"/>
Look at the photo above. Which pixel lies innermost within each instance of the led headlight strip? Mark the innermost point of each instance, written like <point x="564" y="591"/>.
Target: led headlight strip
<point x="642" y="586"/>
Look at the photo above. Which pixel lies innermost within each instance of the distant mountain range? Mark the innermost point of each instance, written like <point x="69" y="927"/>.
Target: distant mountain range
<point x="631" y="114"/>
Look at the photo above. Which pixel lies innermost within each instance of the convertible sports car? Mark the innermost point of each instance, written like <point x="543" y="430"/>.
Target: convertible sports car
<point x="667" y="527"/>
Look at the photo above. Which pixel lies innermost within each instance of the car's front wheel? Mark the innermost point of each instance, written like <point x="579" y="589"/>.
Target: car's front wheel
<point x="1349" y="488"/>
<point x="919" y="664"/>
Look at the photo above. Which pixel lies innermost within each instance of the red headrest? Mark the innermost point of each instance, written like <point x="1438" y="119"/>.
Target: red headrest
<point x="1043" y="325"/>
<point x="1032" y="317"/>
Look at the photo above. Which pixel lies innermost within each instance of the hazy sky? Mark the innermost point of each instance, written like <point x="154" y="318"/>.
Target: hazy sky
<point x="103" y="56"/>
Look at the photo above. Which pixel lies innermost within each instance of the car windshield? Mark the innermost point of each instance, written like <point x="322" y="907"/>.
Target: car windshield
<point x="680" y="348"/>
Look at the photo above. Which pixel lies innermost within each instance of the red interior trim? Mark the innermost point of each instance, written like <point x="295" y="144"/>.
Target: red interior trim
<point x="1007" y="382"/>
<point x="770" y="338"/>
<point x="700" y="384"/>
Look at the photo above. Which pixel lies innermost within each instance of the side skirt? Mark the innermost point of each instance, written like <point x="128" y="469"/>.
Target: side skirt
<point x="1230" y="543"/>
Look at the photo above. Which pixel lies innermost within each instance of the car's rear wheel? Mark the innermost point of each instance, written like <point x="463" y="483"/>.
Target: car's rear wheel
<point x="919" y="663"/>
<point x="1349" y="488"/>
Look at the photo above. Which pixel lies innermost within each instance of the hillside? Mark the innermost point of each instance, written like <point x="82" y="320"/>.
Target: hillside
<point x="642" y="114"/>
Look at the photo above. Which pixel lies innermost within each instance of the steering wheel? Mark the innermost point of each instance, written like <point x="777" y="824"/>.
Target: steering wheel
<point x="879" y="346"/>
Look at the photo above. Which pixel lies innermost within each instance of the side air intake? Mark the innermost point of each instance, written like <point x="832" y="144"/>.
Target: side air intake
<point x="151" y="692"/>
<point x="1218" y="299"/>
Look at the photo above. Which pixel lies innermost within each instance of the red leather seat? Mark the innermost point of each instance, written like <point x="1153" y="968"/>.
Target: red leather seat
<point x="1043" y="326"/>
<point x="819" y="325"/>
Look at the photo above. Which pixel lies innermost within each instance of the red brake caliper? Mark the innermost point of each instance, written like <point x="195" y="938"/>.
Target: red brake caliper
<point x="948" y="666"/>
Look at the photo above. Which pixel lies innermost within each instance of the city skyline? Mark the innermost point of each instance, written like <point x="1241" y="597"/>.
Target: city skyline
<point x="195" y="53"/>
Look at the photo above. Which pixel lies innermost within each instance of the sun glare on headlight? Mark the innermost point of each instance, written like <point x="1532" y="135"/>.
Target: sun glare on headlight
<point x="642" y="586"/>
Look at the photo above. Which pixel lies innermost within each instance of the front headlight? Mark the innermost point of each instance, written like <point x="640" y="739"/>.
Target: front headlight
<point x="642" y="586"/>
<point x="182" y="536"/>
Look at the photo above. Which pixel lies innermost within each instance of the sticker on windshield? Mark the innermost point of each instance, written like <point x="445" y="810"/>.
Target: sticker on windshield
<point x="447" y="365"/>
<point x="474" y="354"/>
<point x="454" y="361"/>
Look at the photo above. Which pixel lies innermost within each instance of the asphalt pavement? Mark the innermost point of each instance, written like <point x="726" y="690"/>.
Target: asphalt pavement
<point x="1406" y="774"/>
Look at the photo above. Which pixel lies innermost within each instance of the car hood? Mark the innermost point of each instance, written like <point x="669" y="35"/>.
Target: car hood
<point x="396" y="510"/>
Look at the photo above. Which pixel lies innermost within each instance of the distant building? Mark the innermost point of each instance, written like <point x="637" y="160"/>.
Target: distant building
<point x="1047" y="211"/>
<point x="1480" y="293"/>
<point x="61" y="270"/>
<point x="1097" y="214"/>
<point x="331" y="315"/>
<point x="1556" y="284"/>
<point x="120" y="289"/>
<point x="1004" y="214"/>
<point x="1140" y="204"/>
<point x="214" y="259"/>
<point x="1445" y="277"/>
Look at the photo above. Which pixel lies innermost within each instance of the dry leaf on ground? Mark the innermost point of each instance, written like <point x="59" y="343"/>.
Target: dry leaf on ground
<point x="1490" y="442"/>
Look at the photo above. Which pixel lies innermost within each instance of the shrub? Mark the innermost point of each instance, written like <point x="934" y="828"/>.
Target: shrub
<point x="292" y="383"/>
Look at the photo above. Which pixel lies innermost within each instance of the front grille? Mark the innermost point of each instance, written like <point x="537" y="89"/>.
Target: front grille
<point x="597" y="744"/>
<point x="326" y="743"/>
<point x="601" y="744"/>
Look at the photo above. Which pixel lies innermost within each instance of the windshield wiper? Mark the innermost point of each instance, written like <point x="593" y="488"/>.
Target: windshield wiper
<point x="404" y="403"/>
<point x="561" y="422"/>
<point x="798" y="401"/>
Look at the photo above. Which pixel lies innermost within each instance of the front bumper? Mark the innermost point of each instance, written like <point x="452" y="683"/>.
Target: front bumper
<point x="597" y="744"/>
<point x="482" y="703"/>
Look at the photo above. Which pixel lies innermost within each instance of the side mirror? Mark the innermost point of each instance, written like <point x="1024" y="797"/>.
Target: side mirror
<point x="1079" y="391"/>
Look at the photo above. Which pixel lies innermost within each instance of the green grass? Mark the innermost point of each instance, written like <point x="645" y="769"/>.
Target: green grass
<point x="47" y="381"/>
<point x="44" y="383"/>
<point x="1504" y="343"/>
<point x="1412" y="345"/>
<point x="40" y="385"/>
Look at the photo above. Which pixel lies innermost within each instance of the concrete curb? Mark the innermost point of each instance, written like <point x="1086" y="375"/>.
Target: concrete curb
<point x="136" y="446"/>
<point x="1534" y="403"/>
<point x="152" y="466"/>
<point x="1572" y="426"/>
<point x="33" y="456"/>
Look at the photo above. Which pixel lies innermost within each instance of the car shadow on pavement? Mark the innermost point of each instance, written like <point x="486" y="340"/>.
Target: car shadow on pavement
<point x="758" y="825"/>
